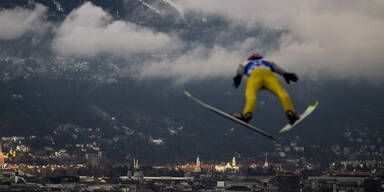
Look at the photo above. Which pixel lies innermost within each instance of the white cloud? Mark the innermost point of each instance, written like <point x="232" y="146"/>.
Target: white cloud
<point x="343" y="37"/>
<point x="199" y="63"/>
<point x="18" y="21"/>
<point x="89" y="30"/>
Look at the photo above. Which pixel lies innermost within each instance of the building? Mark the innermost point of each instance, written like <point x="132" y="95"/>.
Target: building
<point x="198" y="165"/>
<point x="371" y="185"/>
<point x="243" y="185"/>
<point x="266" y="164"/>
<point x="138" y="176"/>
<point x="238" y="189"/>
<point x="135" y="164"/>
<point x="228" y="167"/>
<point x="352" y="183"/>
<point x="93" y="160"/>
<point x="288" y="183"/>
<point x="2" y="159"/>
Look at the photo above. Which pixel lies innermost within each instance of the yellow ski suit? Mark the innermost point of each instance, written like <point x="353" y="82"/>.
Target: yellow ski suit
<point x="260" y="73"/>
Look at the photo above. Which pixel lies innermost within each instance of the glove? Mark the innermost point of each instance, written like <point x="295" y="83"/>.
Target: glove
<point x="290" y="77"/>
<point x="236" y="81"/>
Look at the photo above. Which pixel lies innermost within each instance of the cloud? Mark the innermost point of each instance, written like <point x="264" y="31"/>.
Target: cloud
<point x="199" y="63"/>
<point x="343" y="37"/>
<point x="19" y="21"/>
<point x="89" y="30"/>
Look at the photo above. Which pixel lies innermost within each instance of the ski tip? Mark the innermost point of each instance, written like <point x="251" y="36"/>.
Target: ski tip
<point x="283" y="130"/>
<point x="315" y="103"/>
<point x="187" y="93"/>
<point x="286" y="128"/>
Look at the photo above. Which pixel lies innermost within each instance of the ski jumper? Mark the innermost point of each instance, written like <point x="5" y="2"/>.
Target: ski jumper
<point x="260" y="76"/>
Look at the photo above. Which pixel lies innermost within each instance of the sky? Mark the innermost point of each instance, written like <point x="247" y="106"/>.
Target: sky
<point x="341" y="38"/>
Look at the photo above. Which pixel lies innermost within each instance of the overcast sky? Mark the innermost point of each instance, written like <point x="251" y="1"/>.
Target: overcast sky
<point x="344" y="38"/>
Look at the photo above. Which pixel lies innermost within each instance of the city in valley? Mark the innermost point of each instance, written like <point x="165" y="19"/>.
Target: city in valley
<point x="85" y="167"/>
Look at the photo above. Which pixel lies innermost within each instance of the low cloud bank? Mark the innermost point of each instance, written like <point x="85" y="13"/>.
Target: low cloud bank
<point x="200" y="63"/>
<point x="89" y="31"/>
<point x="343" y="37"/>
<point x="18" y="21"/>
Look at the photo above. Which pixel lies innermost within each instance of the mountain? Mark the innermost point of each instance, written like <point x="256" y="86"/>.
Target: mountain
<point x="138" y="112"/>
<point x="48" y="95"/>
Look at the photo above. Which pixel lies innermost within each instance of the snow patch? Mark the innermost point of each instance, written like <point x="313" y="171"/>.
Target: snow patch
<point x="156" y="141"/>
<point x="179" y="9"/>
<point x="58" y="6"/>
<point x="150" y="7"/>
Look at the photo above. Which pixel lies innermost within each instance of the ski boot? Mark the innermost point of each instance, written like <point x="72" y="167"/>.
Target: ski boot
<point x="246" y="118"/>
<point x="291" y="116"/>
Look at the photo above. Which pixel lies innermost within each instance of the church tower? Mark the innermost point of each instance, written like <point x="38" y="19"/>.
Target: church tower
<point x="1" y="155"/>
<point x="198" y="165"/>
<point x="234" y="162"/>
<point x="266" y="165"/>
<point x="135" y="164"/>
